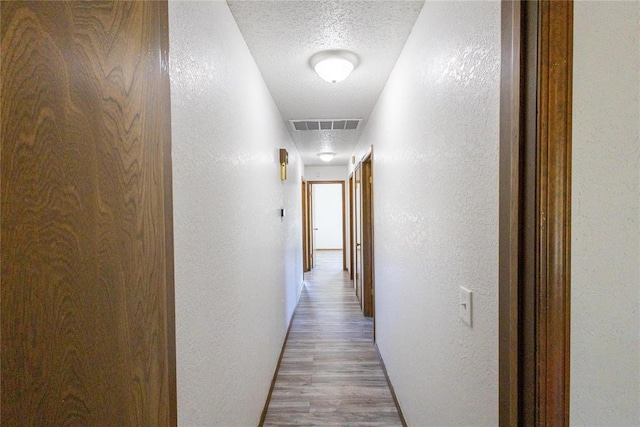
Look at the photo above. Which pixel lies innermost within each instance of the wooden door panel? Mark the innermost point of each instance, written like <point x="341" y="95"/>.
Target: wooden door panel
<point x="305" y="230"/>
<point x="87" y="258"/>
<point x="367" y="239"/>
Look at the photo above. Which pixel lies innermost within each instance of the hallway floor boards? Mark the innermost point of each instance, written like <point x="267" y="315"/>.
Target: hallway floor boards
<point x="330" y="373"/>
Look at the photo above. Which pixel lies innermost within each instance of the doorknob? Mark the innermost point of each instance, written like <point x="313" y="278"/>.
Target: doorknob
<point x="315" y="229"/>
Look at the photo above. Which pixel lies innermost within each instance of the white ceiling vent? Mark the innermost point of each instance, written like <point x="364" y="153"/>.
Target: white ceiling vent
<point x="326" y="124"/>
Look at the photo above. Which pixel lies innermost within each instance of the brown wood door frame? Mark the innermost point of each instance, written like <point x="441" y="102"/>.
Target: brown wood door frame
<point x="351" y="249"/>
<point x="368" y="282"/>
<point x="344" y="231"/>
<point x="309" y="224"/>
<point x="357" y="248"/>
<point x="309" y="228"/>
<point x="305" y="228"/>
<point x="534" y="232"/>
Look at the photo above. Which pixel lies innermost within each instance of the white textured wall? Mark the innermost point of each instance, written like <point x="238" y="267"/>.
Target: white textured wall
<point x="327" y="215"/>
<point x="238" y="266"/>
<point x="434" y="132"/>
<point x="605" y="244"/>
<point x="325" y="173"/>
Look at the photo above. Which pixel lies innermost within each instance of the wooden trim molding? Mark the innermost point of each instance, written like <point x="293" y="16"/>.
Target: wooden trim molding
<point x="509" y="213"/>
<point x="305" y="228"/>
<point x="344" y="229"/>
<point x="554" y="209"/>
<point x="309" y="225"/>
<point x="163" y="19"/>
<point x="368" y="265"/>
<point x="393" y="392"/>
<point x="351" y="231"/>
<point x="265" y="409"/>
<point x="534" y="231"/>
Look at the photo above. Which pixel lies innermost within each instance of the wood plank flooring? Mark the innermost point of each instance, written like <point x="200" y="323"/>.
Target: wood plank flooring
<point x="330" y="373"/>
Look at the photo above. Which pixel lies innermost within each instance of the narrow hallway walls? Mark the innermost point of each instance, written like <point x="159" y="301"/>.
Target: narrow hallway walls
<point x="435" y="173"/>
<point x="238" y="264"/>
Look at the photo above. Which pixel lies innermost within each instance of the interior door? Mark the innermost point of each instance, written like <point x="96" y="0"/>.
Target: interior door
<point x="358" y="233"/>
<point x="308" y="228"/>
<point x="314" y="228"/>
<point x="87" y="306"/>
<point x="367" y="238"/>
<point x="305" y="229"/>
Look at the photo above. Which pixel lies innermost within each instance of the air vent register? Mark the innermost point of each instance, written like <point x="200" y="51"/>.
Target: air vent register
<point x="326" y="124"/>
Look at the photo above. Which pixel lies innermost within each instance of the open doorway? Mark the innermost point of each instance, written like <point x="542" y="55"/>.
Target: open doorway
<point x="368" y="295"/>
<point x="356" y="251"/>
<point x="351" y="228"/>
<point x="362" y="251"/>
<point x="326" y="220"/>
<point x="306" y="261"/>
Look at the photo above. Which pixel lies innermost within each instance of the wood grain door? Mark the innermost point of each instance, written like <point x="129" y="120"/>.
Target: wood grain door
<point x="367" y="239"/>
<point x="86" y="227"/>
<point x="305" y="229"/>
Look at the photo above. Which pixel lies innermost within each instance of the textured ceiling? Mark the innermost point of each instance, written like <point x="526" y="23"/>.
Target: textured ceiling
<point x="283" y="35"/>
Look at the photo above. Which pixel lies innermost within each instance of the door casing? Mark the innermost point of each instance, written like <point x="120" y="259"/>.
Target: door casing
<point x="357" y="248"/>
<point x="535" y="212"/>
<point x="310" y="185"/>
<point x="306" y="264"/>
<point x="368" y="277"/>
<point x="351" y="225"/>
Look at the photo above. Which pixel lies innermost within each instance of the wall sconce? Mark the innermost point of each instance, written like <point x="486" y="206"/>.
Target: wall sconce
<point x="284" y="161"/>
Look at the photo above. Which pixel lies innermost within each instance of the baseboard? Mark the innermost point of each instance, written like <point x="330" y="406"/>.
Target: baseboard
<point x="263" y="416"/>
<point x="299" y="290"/>
<point x="393" y="393"/>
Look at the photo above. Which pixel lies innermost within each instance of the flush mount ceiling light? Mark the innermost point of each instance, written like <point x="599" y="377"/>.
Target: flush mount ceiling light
<point x="334" y="65"/>
<point x="326" y="156"/>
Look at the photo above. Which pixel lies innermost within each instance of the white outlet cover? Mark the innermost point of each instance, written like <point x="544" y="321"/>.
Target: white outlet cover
<point x="465" y="305"/>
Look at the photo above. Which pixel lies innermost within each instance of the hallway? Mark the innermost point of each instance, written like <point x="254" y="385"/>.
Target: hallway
<point x="330" y="373"/>
<point x="159" y="164"/>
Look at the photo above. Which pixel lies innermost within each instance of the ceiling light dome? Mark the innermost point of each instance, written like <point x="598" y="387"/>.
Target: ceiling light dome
<point x="334" y="65"/>
<point x="326" y="156"/>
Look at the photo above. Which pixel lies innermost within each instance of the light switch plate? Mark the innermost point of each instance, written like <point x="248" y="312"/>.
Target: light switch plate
<point x="465" y="305"/>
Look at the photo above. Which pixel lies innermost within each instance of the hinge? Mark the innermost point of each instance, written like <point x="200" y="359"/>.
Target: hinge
<point x="370" y="180"/>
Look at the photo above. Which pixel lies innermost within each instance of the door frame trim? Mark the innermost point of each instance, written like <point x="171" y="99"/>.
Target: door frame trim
<point x="163" y="13"/>
<point x="535" y="212"/>
<point x="368" y="286"/>
<point x="509" y="215"/>
<point x="351" y="237"/>
<point x="305" y="229"/>
<point x="344" y="232"/>
<point x="357" y="215"/>
<point x="554" y="211"/>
